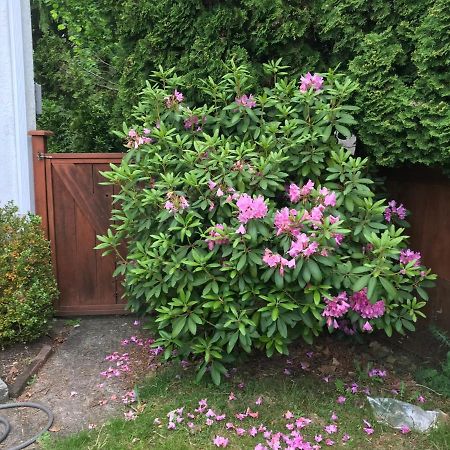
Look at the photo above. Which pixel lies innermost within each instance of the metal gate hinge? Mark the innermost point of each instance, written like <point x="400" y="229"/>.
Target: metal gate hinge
<point x="41" y="156"/>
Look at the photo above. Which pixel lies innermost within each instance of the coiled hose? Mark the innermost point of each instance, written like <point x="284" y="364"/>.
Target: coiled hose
<point x="7" y="425"/>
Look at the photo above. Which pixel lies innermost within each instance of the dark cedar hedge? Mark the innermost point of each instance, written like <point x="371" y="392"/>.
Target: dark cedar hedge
<point x="93" y="57"/>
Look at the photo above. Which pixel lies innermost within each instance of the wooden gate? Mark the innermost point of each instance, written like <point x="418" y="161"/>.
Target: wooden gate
<point x="75" y="208"/>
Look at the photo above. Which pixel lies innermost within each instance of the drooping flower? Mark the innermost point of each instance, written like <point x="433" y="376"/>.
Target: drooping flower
<point x="393" y="209"/>
<point x="367" y="327"/>
<point x="408" y="255"/>
<point x="174" y="99"/>
<point x="335" y="307"/>
<point x="241" y="230"/>
<point x="311" y="81"/>
<point x="246" y="101"/>
<point x="367" y="310"/>
<point x="276" y="260"/>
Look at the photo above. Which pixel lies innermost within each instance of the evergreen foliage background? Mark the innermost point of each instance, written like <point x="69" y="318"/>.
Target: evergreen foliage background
<point x="93" y="57"/>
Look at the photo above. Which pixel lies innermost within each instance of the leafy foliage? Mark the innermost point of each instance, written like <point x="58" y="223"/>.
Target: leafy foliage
<point x="216" y="247"/>
<point x="27" y="284"/>
<point x="398" y="51"/>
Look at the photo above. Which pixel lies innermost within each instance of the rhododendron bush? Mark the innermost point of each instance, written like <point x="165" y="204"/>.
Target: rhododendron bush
<point x="249" y="226"/>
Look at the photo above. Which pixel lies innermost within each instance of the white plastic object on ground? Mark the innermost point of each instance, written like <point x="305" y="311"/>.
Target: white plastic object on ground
<point x="398" y="414"/>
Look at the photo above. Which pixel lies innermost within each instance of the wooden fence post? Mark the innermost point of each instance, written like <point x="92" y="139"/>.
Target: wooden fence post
<point x="39" y="148"/>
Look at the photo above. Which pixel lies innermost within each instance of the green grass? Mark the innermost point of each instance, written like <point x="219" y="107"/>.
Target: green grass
<point x="305" y="395"/>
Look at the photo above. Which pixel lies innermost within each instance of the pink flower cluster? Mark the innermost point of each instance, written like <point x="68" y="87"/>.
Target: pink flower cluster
<point x="251" y="208"/>
<point x="135" y="140"/>
<point x="302" y="246"/>
<point x="393" y="209"/>
<point x="175" y="202"/>
<point x="216" y="237"/>
<point x="362" y="305"/>
<point x="174" y="99"/>
<point x="335" y="307"/>
<point x="246" y="101"/>
<point x="276" y="260"/>
<point x="297" y="193"/>
<point x="311" y="81"/>
<point x="408" y="255"/>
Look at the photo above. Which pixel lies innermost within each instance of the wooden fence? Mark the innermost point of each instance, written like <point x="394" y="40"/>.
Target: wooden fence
<point x="75" y="208"/>
<point x="426" y="193"/>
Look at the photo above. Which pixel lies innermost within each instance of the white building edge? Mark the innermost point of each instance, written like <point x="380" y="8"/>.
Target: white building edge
<point x="17" y="104"/>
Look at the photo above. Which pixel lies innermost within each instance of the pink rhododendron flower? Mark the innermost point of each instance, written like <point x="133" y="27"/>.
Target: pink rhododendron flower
<point x="250" y="208"/>
<point x="174" y="99"/>
<point x="405" y="429"/>
<point x="220" y="417"/>
<point x="368" y="427"/>
<point x="259" y="401"/>
<point x="362" y="305"/>
<point x="341" y="400"/>
<point x="334" y="417"/>
<point x="345" y="437"/>
<point x="288" y="415"/>
<point x="229" y="425"/>
<point x="290" y="426"/>
<point x="276" y="260"/>
<point x="253" y="431"/>
<point x="318" y="438"/>
<point x="241" y="230"/>
<point x="392" y="208"/>
<point x="408" y="255"/>
<point x="284" y="221"/>
<point x="302" y="422"/>
<point x="329" y="442"/>
<point x="299" y="245"/>
<point x="421" y="399"/>
<point x="246" y="101"/>
<point x="220" y="441"/>
<point x="377" y="373"/>
<point x="294" y="193"/>
<point x="330" y="199"/>
<point x="240" y="431"/>
<point x="211" y="184"/>
<point x="260" y="447"/>
<point x="311" y="81"/>
<point x="231" y="396"/>
<point x="330" y="429"/>
<point x="367" y="327"/>
<point x="335" y="307"/>
<point x="209" y="422"/>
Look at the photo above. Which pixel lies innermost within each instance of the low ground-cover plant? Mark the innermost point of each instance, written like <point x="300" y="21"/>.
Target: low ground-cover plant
<point x="27" y="283"/>
<point x="249" y="226"/>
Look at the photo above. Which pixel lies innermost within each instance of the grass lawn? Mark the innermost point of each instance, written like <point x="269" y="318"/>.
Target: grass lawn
<point x="302" y="392"/>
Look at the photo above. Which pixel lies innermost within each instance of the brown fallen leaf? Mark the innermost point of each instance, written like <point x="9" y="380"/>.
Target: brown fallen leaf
<point x="55" y="429"/>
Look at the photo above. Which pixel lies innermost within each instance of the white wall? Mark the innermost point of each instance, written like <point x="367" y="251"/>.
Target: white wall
<point x="17" y="105"/>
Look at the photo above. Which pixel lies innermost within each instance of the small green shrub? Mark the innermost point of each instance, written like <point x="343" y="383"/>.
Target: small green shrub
<point x="27" y="283"/>
<point x="249" y="226"/>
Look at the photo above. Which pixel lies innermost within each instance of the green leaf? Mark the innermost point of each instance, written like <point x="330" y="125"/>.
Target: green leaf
<point x="178" y="325"/>
<point x="361" y="283"/>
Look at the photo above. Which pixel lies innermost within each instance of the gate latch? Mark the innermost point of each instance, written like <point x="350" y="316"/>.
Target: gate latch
<point x="41" y="156"/>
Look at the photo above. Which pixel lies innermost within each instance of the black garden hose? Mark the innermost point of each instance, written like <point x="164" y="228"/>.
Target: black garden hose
<point x="7" y="425"/>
